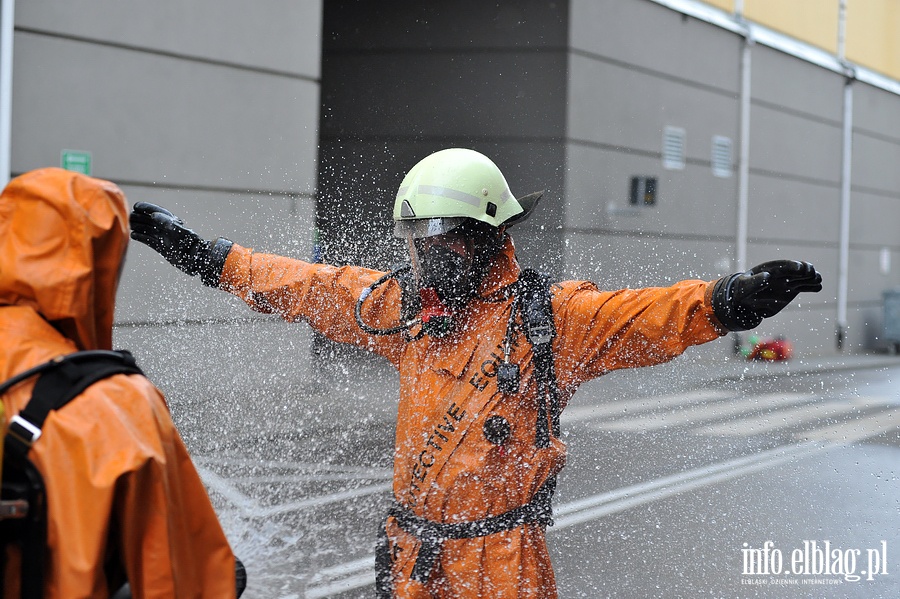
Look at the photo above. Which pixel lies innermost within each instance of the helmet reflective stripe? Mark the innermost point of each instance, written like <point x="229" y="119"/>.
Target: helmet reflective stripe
<point x="452" y="194"/>
<point x="450" y="184"/>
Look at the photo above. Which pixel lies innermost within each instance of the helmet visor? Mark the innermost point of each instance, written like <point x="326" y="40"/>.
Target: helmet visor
<point x="426" y="227"/>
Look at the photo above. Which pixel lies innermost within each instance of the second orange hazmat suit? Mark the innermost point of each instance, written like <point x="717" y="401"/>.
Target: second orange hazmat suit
<point x="123" y="498"/>
<point x="445" y="469"/>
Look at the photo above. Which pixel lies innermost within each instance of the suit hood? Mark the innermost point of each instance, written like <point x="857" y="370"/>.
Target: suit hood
<point x="62" y="243"/>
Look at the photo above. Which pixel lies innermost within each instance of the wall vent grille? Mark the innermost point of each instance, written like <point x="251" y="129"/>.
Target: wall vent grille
<point x="673" y="148"/>
<point x="721" y="156"/>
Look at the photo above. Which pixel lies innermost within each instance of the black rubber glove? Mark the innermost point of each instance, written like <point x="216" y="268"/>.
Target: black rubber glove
<point x="166" y="233"/>
<point x="741" y="301"/>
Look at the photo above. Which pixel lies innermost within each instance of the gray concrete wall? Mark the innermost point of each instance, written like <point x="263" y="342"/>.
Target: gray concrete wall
<point x="209" y="108"/>
<point x="636" y="68"/>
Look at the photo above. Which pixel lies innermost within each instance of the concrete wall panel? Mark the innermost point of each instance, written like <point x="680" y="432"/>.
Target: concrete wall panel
<point x="280" y="35"/>
<point x="652" y="37"/>
<point x="871" y="220"/>
<point x="865" y="301"/>
<point x="691" y="202"/>
<point x="783" y="208"/>
<point x="875" y="163"/>
<point x="461" y="93"/>
<point x="785" y="143"/>
<point x="876" y="110"/>
<point x="866" y="280"/>
<point x="424" y="26"/>
<point x="177" y="123"/>
<point x="795" y="85"/>
<point x="617" y="106"/>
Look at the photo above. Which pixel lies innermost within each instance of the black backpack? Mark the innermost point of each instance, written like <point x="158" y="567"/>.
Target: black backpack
<point x="23" y="505"/>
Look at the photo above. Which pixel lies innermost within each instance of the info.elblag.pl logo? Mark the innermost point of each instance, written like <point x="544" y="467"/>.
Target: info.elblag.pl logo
<point x="815" y="562"/>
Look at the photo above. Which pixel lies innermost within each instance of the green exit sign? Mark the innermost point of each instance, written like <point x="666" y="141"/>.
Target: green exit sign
<point x="77" y="161"/>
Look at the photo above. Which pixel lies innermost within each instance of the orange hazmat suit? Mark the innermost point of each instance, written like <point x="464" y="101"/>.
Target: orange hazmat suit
<point x="124" y="501"/>
<point x="445" y="469"/>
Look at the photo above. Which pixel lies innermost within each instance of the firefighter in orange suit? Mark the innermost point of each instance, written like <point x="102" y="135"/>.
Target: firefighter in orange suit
<point x="124" y="502"/>
<point x="477" y="445"/>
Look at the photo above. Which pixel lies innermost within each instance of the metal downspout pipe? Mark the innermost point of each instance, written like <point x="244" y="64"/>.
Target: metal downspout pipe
<point x="7" y="22"/>
<point x="744" y="161"/>
<point x="844" y="252"/>
<point x="743" y="208"/>
<point x="846" y="160"/>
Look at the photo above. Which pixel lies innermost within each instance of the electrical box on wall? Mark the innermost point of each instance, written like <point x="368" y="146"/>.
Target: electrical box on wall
<point x="643" y="191"/>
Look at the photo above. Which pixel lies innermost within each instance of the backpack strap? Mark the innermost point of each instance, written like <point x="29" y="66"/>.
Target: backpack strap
<point x="536" y="308"/>
<point x="61" y="380"/>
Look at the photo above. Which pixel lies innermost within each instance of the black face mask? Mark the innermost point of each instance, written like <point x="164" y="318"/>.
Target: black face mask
<point x="448" y="273"/>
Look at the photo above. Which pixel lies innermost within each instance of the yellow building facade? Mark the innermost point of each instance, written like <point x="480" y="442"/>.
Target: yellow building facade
<point x="871" y="27"/>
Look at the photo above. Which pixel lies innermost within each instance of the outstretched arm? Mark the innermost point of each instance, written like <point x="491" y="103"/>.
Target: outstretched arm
<point x="323" y="295"/>
<point x="604" y="331"/>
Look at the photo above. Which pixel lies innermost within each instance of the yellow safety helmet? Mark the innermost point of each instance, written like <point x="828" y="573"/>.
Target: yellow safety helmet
<point x="444" y="189"/>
